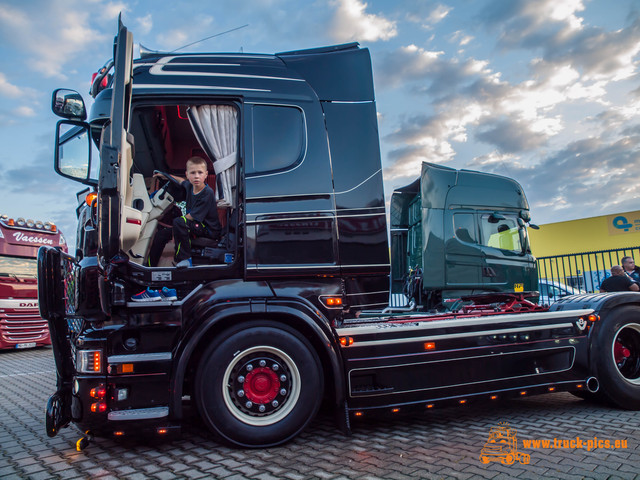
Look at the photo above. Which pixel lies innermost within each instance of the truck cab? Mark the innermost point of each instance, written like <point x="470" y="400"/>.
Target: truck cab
<point x="467" y="229"/>
<point x="20" y="323"/>
<point x="294" y="196"/>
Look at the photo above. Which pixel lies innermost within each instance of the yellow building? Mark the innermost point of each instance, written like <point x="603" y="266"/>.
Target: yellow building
<point x="606" y="232"/>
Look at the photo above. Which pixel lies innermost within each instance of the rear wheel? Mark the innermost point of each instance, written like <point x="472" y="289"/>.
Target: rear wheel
<point x="259" y="386"/>
<point x="618" y="363"/>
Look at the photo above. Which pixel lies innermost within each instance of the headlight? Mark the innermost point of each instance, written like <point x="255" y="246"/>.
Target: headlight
<point x="89" y="361"/>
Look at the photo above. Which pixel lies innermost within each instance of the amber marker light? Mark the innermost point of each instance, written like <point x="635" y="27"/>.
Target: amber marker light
<point x="494" y="397"/>
<point x="429" y="346"/>
<point x="162" y="431"/>
<point x="429" y="405"/>
<point x="126" y="368"/>
<point x="91" y="199"/>
<point x="395" y="410"/>
<point x="358" y="414"/>
<point x="346" y="341"/>
<point x="118" y="433"/>
<point x="552" y="389"/>
<point x="579" y="385"/>
<point x="593" y="317"/>
<point x="523" y="392"/>
<point x="96" y="361"/>
<point x="462" y="402"/>
<point x="333" y="301"/>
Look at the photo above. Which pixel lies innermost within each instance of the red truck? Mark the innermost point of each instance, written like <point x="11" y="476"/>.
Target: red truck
<point x="20" y="323"/>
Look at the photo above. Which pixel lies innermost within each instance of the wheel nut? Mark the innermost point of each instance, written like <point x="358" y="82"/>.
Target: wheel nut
<point x="249" y="367"/>
<point x="274" y="404"/>
<point x="262" y="363"/>
<point x="248" y="404"/>
<point x="241" y="393"/>
<point x="275" y="367"/>
<point x="261" y="408"/>
<point x="240" y="379"/>
<point x="283" y="378"/>
<point x="283" y="391"/>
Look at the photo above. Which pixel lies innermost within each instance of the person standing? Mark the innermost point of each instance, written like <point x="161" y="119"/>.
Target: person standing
<point x="618" y="282"/>
<point x="630" y="268"/>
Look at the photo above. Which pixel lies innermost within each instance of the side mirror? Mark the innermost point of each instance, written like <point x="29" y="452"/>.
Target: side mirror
<point x="496" y="217"/>
<point x="535" y="227"/>
<point x="73" y="151"/>
<point x="68" y="104"/>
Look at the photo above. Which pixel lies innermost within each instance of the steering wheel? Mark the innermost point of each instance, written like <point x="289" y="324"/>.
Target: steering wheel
<point x="168" y="177"/>
<point x="172" y="186"/>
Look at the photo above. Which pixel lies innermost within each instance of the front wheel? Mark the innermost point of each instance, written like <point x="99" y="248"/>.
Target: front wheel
<point x="259" y="386"/>
<point x="618" y="361"/>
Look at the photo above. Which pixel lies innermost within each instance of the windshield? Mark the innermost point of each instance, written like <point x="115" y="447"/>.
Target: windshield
<point x="18" y="266"/>
<point x="503" y="234"/>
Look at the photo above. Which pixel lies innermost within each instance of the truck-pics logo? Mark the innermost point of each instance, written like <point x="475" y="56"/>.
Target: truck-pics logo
<point x="21" y="237"/>
<point x="502" y="446"/>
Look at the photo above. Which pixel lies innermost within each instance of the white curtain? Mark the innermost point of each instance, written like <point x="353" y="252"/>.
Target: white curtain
<point x="216" y="128"/>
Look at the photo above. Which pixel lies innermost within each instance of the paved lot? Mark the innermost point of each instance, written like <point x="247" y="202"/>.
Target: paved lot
<point x="438" y="444"/>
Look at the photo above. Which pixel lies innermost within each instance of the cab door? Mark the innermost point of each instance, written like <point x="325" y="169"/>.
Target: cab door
<point x="119" y="223"/>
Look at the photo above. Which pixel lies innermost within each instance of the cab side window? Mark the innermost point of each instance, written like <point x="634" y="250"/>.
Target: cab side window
<point x="464" y="227"/>
<point x="278" y="138"/>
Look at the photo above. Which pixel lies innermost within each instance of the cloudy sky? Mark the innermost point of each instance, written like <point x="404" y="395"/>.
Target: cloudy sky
<point x="544" y="91"/>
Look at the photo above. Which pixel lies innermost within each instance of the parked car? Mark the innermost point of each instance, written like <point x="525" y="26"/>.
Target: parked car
<point x="551" y="291"/>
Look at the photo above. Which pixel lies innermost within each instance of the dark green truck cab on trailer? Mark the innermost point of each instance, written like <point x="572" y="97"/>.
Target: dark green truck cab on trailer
<point x="460" y="232"/>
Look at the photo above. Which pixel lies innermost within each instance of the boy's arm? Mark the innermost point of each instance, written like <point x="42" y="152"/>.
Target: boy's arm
<point x="175" y="177"/>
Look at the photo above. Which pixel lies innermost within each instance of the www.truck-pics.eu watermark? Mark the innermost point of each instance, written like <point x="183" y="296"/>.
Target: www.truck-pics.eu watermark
<point x="502" y="445"/>
<point x="576" y="443"/>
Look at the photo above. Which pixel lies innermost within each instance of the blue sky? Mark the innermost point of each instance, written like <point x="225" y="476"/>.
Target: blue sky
<point x="544" y="91"/>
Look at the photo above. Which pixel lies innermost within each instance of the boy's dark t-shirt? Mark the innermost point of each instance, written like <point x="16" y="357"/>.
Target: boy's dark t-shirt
<point x="202" y="207"/>
<point x="616" y="283"/>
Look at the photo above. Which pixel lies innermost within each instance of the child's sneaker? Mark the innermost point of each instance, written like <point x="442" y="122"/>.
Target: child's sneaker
<point x="168" y="294"/>
<point x="184" y="263"/>
<point x="148" y="295"/>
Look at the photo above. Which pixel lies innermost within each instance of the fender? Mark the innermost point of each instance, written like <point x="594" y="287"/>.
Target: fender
<point x="224" y="311"/>
<point x="602" y="304"/>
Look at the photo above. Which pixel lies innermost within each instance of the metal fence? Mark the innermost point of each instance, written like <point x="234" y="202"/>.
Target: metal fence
<point x="582" y="271"/>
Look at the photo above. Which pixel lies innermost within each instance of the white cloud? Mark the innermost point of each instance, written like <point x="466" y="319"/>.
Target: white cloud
<point x="48" y="43"/>
<point x="145" y="24"/>
<point x="7" y="89"/>
<point x="351" y="22"/>
<point x="438" y="14"/>
<point x="111" y="10"/>
<point x="24" y="111"/>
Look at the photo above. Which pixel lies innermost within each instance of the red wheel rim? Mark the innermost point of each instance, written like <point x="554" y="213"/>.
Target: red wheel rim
<point x="261" y="385"/>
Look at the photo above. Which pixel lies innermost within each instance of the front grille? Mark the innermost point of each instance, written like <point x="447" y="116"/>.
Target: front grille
<point x="69" y="278"/>
<point x="26" y="326"/>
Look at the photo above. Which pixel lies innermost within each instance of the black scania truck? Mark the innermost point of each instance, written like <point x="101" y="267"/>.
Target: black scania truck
<point x="290" y="307"/>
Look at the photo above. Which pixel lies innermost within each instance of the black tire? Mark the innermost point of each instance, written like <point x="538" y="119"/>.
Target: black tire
<point x="259" y="385"/>
<point x="617" y="347"/>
